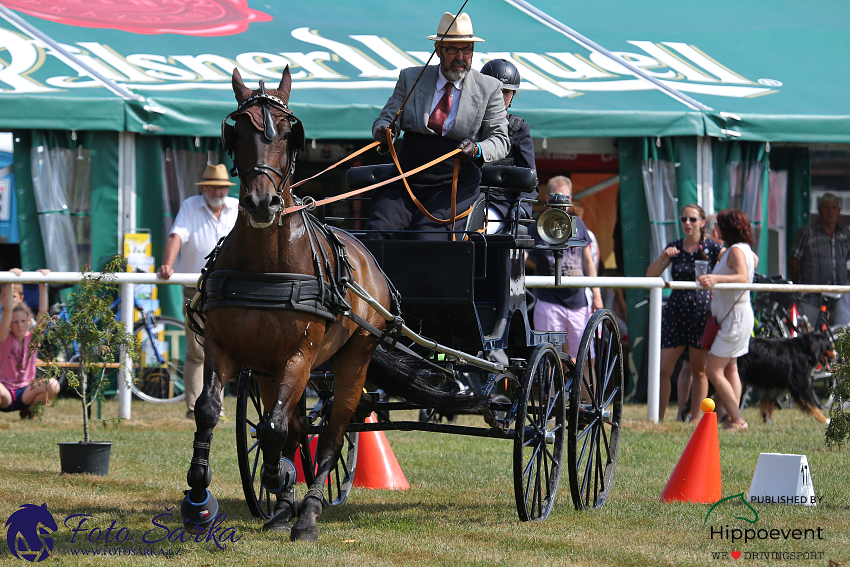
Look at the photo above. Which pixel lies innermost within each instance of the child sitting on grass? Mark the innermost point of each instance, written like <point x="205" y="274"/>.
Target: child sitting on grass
<point x="19" y="389"/>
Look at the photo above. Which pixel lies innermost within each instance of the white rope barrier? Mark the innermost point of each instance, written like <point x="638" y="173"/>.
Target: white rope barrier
<point x="654" y="285"/>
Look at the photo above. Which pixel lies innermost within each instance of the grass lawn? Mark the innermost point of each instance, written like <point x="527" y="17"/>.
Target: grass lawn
<point x="460" y="509"/>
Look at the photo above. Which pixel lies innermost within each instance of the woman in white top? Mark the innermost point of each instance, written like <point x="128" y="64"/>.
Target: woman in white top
<point x="733" y="310"/>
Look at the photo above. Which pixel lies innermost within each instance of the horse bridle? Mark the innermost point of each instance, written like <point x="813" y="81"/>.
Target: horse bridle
<point x="228" y="139"/>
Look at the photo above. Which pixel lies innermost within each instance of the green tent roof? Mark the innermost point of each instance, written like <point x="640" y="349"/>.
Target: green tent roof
<point x="762" y="70"/>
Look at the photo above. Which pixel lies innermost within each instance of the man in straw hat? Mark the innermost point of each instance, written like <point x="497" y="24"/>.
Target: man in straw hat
<point x="453" y="106"/>
<point x="201" y="222"/>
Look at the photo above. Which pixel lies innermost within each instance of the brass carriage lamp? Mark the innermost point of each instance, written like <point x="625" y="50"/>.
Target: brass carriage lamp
<point x="555" y="227"/>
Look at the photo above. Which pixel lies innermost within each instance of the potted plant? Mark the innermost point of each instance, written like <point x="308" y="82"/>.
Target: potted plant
<point x="91" y="331"/>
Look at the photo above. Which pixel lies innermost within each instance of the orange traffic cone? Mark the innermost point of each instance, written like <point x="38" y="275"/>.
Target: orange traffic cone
<point x="377" y="466"/>
<point x="696" y="477"/>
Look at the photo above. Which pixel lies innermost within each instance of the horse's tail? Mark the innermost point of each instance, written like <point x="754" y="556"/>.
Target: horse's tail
<point x="399" y="378"/>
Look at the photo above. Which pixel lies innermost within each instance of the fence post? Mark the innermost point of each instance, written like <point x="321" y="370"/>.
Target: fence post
<point x="653" y="386"/>
<point x="125" y="395"/>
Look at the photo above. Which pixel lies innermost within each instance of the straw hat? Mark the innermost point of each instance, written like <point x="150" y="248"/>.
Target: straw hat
<point x="215" y="175"/>
<point x="461" y="30"/>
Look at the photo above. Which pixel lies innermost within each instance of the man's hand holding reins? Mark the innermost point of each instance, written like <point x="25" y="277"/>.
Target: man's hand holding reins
<point x="469" y="149"/>
<point x="381" y="134"/>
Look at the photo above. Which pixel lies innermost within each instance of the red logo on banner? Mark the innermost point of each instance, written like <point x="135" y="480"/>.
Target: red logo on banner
<point x="187" y="17"/>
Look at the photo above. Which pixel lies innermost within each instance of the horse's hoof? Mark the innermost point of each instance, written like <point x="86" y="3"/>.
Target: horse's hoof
<point x="304" y="534"/>
<point x="199" y="513"/>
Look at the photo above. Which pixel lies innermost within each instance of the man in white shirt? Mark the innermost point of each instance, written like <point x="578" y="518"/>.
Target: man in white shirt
<point x="201" y="222"/>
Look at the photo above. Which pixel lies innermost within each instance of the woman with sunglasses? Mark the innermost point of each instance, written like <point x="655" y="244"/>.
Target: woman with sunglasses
<point x="686" y="311"/>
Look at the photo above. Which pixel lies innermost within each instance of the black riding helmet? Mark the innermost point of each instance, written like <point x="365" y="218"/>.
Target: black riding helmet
<point x="503" y="70"/>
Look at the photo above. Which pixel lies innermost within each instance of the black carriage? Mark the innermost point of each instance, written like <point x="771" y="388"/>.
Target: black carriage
<point x="466" y="319"/>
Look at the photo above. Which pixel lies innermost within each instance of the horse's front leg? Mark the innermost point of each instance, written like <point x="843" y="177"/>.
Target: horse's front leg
<point x="281" y="481"/>
<point x="200" y="507"/>
<point x="349" y="368"/>
<point x="279" y="435"/>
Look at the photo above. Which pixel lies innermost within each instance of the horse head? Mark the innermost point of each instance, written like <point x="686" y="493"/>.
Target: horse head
<point x="263" y="142"/>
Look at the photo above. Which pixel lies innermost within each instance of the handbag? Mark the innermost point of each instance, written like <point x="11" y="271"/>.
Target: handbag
<point x="710" y="331"/>
<point x="712" y="326"/>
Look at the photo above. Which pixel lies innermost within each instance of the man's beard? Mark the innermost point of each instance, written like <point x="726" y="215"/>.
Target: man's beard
<point x="454" y="74"/>
<point x="214" y="202"/>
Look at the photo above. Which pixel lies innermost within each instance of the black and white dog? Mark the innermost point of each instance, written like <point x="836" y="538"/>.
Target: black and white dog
<point x="775" y="366"/>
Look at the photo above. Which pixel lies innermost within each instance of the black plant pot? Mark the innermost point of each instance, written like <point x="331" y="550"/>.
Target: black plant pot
<point x="85" y="458"/>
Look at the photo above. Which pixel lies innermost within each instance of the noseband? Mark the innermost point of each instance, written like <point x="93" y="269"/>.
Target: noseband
<point x="228" y="139"/>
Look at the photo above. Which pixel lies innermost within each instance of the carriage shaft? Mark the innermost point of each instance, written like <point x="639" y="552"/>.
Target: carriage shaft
<point x="420" y="426"/>
<point x="418" y="339"/>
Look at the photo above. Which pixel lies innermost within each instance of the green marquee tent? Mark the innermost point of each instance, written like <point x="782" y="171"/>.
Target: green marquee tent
<point x="767" y="71"/>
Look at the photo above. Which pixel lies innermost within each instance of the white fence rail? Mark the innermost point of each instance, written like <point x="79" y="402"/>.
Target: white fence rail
<point x="654" y="285"/>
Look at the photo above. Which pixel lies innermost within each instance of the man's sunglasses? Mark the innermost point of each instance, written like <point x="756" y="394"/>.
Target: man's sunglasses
<point x="454" y="50"/>
<point x="683" y="220"/>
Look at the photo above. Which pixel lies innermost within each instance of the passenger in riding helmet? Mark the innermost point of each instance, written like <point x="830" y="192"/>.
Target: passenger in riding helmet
<point x="519" y="132"/>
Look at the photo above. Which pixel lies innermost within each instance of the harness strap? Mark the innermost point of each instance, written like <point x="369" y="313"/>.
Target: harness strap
<point x="419" y="205"/>
<point x="393" y="329"/>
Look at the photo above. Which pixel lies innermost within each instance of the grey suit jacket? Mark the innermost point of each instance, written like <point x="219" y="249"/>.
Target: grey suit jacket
<point x="481" y="115"/>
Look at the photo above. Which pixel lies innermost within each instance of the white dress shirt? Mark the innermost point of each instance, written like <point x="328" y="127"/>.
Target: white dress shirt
<point x="438" y="94"/>
<point x="200" y="231"/>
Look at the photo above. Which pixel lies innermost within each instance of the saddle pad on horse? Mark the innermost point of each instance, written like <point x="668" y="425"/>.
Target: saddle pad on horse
<point x="295" y="292"/>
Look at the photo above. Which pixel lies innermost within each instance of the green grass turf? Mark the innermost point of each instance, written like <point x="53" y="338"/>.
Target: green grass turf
<point x="460" y="509"/>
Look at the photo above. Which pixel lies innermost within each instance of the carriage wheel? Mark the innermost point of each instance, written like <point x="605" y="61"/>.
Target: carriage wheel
<point x="249" y="418"/>
<point x="341" y="477"/>
<point x="596" y="411"/>
<point x="539" y="440"/>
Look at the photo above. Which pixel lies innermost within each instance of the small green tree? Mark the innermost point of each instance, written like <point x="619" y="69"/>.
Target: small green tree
<point x="838" y="431"/>
<point x="98" y="336"/>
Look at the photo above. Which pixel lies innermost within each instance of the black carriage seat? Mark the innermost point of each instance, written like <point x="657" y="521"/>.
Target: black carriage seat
<point x="365" y="175"/>
<point x="512" y="178"/>
<point x="499" y="178"/>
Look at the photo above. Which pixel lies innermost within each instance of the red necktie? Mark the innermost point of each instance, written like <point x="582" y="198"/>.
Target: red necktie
<point x="441" y="111"/>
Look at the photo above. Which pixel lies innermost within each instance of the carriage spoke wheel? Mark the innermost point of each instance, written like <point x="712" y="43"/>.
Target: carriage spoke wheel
<point x="341" y="478"/>
<point x="249" y="419"/>
<point x="539" y="434"/>
<point x="596" y="411"/>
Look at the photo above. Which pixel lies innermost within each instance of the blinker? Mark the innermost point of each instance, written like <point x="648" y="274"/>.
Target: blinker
<point x="269" y="131"/>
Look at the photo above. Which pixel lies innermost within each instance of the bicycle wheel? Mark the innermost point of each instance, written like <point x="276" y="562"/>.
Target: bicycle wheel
<point x="158" y="375"/>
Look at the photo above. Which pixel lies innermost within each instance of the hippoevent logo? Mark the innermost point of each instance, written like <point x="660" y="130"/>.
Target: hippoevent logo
<point x="28" y="532"/>
<point x="735" y="535"/>
<point x="31" y="528"/>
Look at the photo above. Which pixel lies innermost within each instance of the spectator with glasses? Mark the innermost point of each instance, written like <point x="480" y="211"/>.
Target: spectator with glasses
<point x="820" y="255"/>
<point x="686" y="311"/>
<point x="453" y="106"/>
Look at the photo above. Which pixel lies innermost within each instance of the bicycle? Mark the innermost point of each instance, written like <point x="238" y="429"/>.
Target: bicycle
<point x="823" y="382"/>
<point x="158" y="376"/>
<point x="776" y="313"/>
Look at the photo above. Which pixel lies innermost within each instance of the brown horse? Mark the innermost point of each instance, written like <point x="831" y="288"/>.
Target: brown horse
<point x="282" y="345"/>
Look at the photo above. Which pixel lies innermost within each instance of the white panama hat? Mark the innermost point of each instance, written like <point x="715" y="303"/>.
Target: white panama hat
<point x="461" y="30"/>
